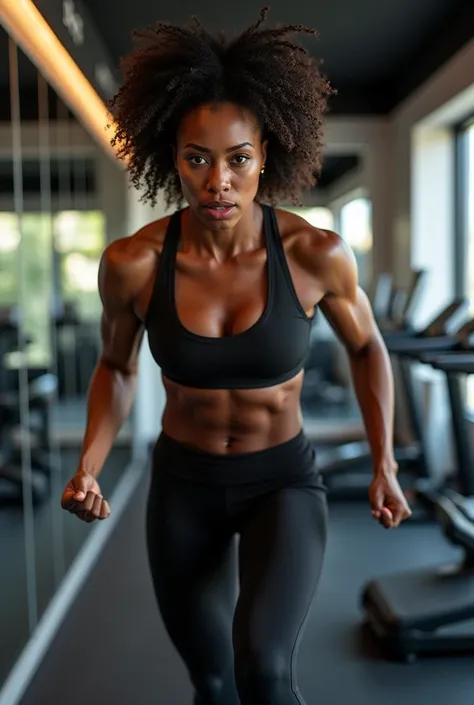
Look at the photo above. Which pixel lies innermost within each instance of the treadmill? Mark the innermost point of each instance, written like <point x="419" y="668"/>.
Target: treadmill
<point x="431" y="610"/>
<point x="347" y="468"/>
<point x="380" y="295"/>
<point x="404" y="303"/>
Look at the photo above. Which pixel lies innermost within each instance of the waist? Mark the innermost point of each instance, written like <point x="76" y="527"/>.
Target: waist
<point x="291" y="460"/>
<point x="235" y="420"/>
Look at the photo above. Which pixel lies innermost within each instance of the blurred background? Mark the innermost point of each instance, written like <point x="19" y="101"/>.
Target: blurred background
<point x="397" y="184"/>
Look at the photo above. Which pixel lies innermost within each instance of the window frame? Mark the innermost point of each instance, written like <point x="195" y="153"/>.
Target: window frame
<point x="461" y="200"/>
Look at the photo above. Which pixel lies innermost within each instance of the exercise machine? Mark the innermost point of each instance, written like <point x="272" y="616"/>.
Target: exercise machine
<point x="347" y="469"/>
<point x="432" y="610"/>
<point x="42" y="391"/>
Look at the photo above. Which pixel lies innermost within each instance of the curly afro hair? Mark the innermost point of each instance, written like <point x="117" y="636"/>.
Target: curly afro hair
<point x="175" y="69"/>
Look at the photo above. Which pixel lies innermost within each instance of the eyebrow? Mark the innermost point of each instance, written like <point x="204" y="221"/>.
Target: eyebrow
<point x="199" y="148"/>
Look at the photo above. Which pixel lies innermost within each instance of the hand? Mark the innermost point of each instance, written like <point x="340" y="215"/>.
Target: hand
<point x="83" y="498"/>
<point x="389" y="505"/>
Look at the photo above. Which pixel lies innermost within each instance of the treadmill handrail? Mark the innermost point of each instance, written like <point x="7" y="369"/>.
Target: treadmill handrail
<point x="464" y="365"/>
<point x="438" y="326"/>
<point x="457" y="527"/>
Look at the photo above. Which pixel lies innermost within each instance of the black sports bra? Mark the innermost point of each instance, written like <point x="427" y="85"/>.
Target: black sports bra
<point x="268" y="353"/>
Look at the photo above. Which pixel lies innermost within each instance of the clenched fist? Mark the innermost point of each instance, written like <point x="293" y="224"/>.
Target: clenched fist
<point x="389" y="504"/>
<point x="83" y="498"/>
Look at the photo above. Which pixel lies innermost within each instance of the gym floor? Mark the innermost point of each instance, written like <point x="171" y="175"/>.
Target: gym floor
<point x="112" y="648"/>
<point x="13" y="605"/>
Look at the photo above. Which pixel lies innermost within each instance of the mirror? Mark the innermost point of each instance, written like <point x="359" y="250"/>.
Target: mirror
<point x="60" y="204"/>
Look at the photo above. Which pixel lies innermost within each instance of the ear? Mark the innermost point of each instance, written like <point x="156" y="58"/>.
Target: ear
<point x="264" y="152"/>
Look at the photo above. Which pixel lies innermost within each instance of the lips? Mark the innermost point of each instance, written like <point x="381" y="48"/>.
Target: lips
<point x="219" y="205"/>
<point x="220" y="210"/>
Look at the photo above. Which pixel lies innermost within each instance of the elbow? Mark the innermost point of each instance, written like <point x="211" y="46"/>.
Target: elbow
<point x="367" y="346"/>
<point x="126" y="370"/>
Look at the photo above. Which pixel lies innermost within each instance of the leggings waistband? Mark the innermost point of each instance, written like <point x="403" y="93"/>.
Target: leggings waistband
<point x="290" y="460"/>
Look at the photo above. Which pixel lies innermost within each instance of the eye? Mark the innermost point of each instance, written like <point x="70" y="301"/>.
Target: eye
<point x="194" y="159"/>
<point x="241" y="159"/>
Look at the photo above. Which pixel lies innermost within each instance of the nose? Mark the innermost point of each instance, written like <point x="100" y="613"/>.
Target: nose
<point x="219" y="180"/>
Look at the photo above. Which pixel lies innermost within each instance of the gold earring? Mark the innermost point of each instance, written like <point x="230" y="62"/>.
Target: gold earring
<point x="262" y="170"/>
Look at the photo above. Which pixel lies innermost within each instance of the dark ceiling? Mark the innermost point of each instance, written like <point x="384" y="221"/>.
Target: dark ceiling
<point x="375" y="51"/>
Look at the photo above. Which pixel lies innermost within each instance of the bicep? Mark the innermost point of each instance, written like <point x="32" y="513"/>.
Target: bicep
<point x="345" y="305"/>
<point x="351" y="318"/>
<point x="121" y="329"/>
<point x="122" y="334"/>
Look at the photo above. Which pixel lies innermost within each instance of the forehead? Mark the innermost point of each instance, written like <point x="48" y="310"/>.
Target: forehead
<point x="218" y="126"/>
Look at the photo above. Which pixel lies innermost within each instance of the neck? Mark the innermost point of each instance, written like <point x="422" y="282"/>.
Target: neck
<point x="226" y="243"/>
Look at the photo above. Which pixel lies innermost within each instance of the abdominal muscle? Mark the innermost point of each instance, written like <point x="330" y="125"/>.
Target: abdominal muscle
<point x="233" y="421"/>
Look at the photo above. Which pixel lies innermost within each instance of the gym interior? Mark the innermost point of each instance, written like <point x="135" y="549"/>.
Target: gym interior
<point x="394" y="617"/>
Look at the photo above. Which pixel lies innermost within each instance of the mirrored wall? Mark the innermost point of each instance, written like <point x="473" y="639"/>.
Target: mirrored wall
<point x="61" y="201"/>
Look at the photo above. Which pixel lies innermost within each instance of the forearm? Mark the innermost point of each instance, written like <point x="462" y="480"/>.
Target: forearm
<point x="110" y="400"/>
<point x="373" y="383"/>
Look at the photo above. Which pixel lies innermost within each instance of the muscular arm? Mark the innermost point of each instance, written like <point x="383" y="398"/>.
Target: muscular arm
<point x="113" y="383"/>
<point x="348" y="311"/>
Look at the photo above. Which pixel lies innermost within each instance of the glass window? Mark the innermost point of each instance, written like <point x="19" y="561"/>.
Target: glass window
<point x="318" y="216"/>
<point x="469" y="254"/>
<point x="355" y="226"/>
<point x="79" y="239"/>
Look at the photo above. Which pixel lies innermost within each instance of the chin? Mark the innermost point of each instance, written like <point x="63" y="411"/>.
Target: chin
<point x="219" y="225"/>
<point x="222" y="225"/>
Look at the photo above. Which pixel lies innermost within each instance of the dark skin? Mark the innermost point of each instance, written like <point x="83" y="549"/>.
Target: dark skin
<point x="219" y="154"/>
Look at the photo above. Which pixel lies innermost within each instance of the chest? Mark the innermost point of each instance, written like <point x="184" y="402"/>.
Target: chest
<point x="226" y="299"/>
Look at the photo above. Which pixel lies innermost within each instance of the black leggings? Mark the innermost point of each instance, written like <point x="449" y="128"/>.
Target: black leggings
<point x="237" y="648"/>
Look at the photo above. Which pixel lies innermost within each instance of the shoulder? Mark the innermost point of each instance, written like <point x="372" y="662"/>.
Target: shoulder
<point x="127" y="263"/>
<point x="311" y="244"/>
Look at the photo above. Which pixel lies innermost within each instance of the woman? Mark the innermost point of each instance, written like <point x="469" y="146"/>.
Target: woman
<point x="227" y="289"/>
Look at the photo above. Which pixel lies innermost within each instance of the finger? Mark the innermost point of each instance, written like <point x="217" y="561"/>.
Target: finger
<point x="397" y="516"/>
<point x="401" y="512"/>
<point x="67" y="500"/>
<point x="96" y="507"/>
<point x="386" y="518"/>
<point x="377" y="501"/>
<point x="80" y="489"/>
<point x="88" y="502"/>
<point x="81" y="484"/>
<point x="104" y="510"/>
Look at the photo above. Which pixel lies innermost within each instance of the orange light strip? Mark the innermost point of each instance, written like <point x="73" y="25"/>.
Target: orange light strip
<point x="32" y="33"/>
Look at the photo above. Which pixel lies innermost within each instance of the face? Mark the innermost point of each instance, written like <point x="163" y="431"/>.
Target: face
<point x="219" y="155"/>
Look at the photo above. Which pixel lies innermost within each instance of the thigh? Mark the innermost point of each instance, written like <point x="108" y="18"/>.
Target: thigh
<point x="280" y="559"/>
<point x="192" y="561"/>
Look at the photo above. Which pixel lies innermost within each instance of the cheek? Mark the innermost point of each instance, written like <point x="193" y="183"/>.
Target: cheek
<point x="190" y="180"/>
<point x="248" y="178"/>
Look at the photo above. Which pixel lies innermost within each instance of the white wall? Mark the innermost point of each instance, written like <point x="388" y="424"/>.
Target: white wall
<point x="371" y="139"/>
<point x="447" y="97"/>
<point x="432" y="216"/>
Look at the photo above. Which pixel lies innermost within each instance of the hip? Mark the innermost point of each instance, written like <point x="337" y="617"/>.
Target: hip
<point x="289" y="462"/>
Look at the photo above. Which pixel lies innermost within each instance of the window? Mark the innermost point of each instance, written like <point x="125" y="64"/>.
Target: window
<point x="60" y="261"/>
<point x="465" y="226"/>
<point x="355" y="226"/>
<point x="469" y="258"/>
<point x="318" y="216"/>
<point x="469" y="241"/>
<point x="79" y="239"/>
